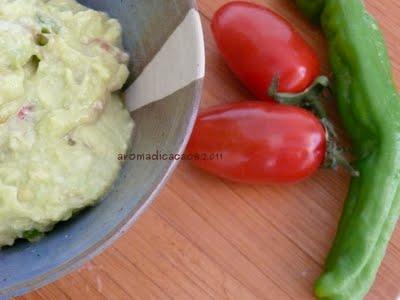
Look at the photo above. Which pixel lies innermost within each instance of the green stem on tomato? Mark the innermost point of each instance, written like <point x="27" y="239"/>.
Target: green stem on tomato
<point x="311" y="99"/>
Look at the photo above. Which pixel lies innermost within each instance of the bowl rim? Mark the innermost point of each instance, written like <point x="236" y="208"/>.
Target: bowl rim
<point x="126" y="223"/>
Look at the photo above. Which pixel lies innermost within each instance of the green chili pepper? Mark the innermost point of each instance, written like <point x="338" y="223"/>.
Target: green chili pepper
<point x="370" y="110"/>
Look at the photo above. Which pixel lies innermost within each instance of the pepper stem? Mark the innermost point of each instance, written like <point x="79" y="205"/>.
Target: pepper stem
<point x="311" y="99"/>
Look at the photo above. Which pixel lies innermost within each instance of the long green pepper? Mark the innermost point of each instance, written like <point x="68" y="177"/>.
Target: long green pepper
<point x="370" y="110"/>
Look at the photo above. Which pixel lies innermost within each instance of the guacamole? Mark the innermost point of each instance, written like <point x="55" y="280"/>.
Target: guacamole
<point x="62" y="123"/>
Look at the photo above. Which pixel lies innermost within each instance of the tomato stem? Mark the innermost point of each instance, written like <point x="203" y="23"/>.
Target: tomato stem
<point x="311" y="99"/>
<point x="317" y="88"/>
<point x="334" y="158"/>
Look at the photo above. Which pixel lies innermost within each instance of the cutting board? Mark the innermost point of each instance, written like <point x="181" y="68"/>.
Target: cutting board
<point x="206" y="238"/>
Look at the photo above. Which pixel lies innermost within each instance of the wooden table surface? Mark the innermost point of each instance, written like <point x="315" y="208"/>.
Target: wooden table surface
<point x="205" y="238"/>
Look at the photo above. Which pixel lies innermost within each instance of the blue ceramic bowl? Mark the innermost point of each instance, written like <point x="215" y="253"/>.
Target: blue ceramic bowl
<point x="162" y="126"/>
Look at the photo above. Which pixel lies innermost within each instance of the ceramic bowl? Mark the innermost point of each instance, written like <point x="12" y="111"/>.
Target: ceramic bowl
<point x="164" y="38"/>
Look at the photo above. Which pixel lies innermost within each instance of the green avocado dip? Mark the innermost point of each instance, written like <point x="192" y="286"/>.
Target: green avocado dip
<point x="62" y="122"/>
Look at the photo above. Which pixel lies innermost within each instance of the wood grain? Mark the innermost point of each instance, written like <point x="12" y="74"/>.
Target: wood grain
<point x="205" y="238"/>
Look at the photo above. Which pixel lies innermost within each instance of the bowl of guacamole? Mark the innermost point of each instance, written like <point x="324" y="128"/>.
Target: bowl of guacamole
<point x="78" y="164"/>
